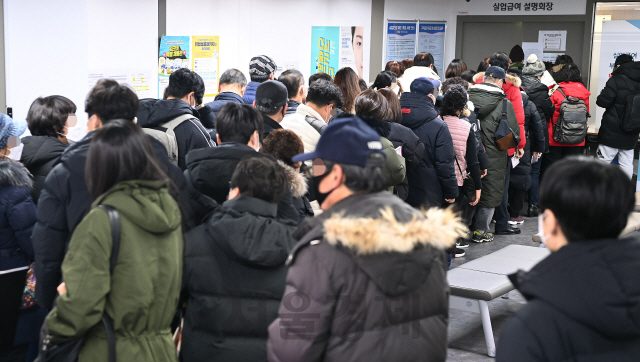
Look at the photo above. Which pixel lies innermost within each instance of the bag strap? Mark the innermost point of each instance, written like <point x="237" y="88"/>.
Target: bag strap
<point x="114" y="221"/>
<point x="459" y="168"/>
<point x="562" y="92"/>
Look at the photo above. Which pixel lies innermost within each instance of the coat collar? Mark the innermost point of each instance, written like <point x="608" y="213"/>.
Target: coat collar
<point x="252" y="205"/>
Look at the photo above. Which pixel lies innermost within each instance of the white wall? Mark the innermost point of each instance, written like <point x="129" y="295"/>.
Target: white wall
<point x="280" y="29"/>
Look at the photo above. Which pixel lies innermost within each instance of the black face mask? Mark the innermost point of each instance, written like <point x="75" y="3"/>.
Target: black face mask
<point x="320" y="197"/>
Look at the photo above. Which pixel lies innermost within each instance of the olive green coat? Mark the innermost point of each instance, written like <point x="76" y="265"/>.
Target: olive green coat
<point x="142" y="296"/>
<point x="487" y="99"/>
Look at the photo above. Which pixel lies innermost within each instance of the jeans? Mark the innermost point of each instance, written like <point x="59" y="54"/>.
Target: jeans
<point x="535" y="183"/>
<point x="483" y="218"/>
<point x="625" y="158"/>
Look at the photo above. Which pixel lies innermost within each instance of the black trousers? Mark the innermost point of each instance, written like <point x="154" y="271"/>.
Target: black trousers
<point x="516" y="202"/>
<point x="501" y="215"/>
<point x="556" y="153"/>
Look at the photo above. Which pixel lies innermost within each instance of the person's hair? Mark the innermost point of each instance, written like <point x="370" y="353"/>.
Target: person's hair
<point x="293" y="80"/>
<point x="548" y="67"/>
<point x="318" y="76"/>
<point x="423" y="59"/>
<point x="372" y="104"/>
<point x="237" y="122"/>
<point x="347" y="80"/>
<point x="363" y="84"/>
<point x="568" y="73"/>
<point x="468" y="75"/>
<point x="407" y="62"/>
<point x="364" y="180"/>
<point x="453" y="101"/>
<point x="396" y="67"/>
<point x="394" y="110"/>
<point x="261" y="178"/>
<point x="119" y="151"/>
<point x="563" y="59"/>
<point x="484" y="64"/>
<point x="490" y="79"/>
<point x="283" y="144"/>
<point x="623" y="59"/>
<point x="499" y="59"/>
<point x="47" y="116"/>
<point x="455" y="68"/>
<point x="233" y="76"/>
<point x="383" y="80"/>
<point x="324" y="92"/>
<point x="110" y="100"/>
<point x="582" y="192"/>
<point x="453" y="81"/>
<point x="184" y="81"/>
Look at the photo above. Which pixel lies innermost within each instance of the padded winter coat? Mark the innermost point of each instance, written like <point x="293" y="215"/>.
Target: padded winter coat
<point x="538" y="93"/>
<point x="64" y="202"/>
<point x="17" y="215"/>
<point x="190" y="134"/>
<point x="307" y="124"/>
<point x="367" y="283"/>
<point x="614" y="98"/>
<point x="582" y="305"/>
<point x="39" y="155"/>
<point x="234" y="276"/>
<point x="250" y="93"/>
<point x="220" y="100"/>
<point x="573" y="89"/>
<point x="520" y="178"/>
<point x="142" y="294"/>
<point x="435" y="179"/>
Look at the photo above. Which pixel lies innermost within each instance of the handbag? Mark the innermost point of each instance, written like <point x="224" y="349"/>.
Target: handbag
<point x="29" y="294"/>
<point x="60" y="349"/>
<point x="504" y="136"/>
<point x="468" y="185"/>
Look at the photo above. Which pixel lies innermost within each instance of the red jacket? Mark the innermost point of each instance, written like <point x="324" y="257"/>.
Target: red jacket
<point x="511" y="88"/>
<point x="574" y="89"/>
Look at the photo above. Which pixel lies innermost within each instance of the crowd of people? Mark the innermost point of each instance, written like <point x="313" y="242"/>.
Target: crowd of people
<point x="315" y="220"/>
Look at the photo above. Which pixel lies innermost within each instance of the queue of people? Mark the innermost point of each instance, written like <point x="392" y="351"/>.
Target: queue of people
<point x="290" y="220"/>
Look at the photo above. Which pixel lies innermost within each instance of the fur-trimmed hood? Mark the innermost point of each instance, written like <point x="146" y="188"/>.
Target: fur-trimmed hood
<point x="511" y="79"/>
<point x="14" y="174"/>
<point x="297" y="182"/>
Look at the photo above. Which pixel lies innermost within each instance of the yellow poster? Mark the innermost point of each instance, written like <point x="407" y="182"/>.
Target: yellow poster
<point x="205" y="52"/>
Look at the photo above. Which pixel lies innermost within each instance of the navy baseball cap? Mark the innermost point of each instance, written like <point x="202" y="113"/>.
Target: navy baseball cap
<point x="348" y="141"/>
<point x="422" y="85"/>
<point x="495" y="72"/>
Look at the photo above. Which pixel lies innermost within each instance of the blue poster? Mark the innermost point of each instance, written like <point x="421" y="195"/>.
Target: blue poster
<point x="325" y="44"/>
<point x="174" y="54"/>
<point x="401" y="41"/>
<point x="431" y="38"/>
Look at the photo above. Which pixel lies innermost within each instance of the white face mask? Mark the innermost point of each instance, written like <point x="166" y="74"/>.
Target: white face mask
<point x="543" y="237"/>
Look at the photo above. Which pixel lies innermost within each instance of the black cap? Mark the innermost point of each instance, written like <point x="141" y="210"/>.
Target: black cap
<point x="272" y="94"/>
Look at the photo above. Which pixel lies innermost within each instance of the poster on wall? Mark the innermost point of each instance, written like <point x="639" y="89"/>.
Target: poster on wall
<point x="335" y="47"/>
<point x="206" y="53"/>
<point x="618" y="37"/>
<point x="401" y="41"/>
<point x="173" y="55"/>
<point x="138" y="79"/>
<point x="553" y="40"/>
<point x="431" y="38"/>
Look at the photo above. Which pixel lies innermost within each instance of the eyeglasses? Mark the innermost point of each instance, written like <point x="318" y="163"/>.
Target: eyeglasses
<point x="318" y="168"/>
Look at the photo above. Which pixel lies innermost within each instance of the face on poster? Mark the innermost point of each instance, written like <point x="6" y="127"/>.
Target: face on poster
<point x="335" y="47"/>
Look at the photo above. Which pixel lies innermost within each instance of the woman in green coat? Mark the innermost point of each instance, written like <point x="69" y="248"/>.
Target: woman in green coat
<point x="141" y="296"/>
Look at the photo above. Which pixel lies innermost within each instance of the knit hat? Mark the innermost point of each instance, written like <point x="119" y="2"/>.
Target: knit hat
<point x="9" y="127"/>
<point x="516" y="54"/>
<point x="422" y="85"/>
<point x="261" y="66"/>
<point x="534" y="66"/>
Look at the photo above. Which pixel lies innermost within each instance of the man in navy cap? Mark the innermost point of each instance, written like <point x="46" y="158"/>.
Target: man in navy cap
<point x="361" y="264"/>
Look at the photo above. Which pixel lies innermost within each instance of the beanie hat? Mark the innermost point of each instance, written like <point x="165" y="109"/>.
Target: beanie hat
<point x="9" y="127"/>
<point x="516" y="54"/>
<point x="261" y="66"/>
<point x="534" y="66"/>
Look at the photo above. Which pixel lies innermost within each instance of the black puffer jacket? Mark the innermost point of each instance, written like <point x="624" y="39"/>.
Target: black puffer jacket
<point x="367" y="283"/>
<point x="64" y="202"/>
<point x="583" y="305"/>
<point x="190" y="135"/>
<point x="520" y="178"/>
<point x="234" y="276"/>
<point x="539" y="94"/>
<point x="613" y="98"/>
<point x="39" y="155"/>
<point x="435" y="179"/>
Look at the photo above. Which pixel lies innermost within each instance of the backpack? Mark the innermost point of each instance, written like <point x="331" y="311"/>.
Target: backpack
<point x="504" y="137"/>
<point x="571" y="126"/>
<point x="168" y="137"/>
<point x="631" y="119"/>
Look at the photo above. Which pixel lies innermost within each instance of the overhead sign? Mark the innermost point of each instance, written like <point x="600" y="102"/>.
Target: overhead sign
<point x="523" y="7"/>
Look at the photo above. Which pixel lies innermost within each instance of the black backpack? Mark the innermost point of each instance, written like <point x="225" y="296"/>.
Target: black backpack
<point x="631" y="119"/>
<point x="571" y="126"/>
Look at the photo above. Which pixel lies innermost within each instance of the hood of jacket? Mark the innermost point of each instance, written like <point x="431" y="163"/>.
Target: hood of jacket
<point x="147" y="204"/>
<point x="257" y="237"/>
<point x="631" y="70"/>
<point x="592" y="282"/>
<point x="297" y="182"/>
<point x="417" y="109"/>
<point x="228" y="97"/>
<point x="389" y="240"/>
<point x="417" y="72"/>
<point x="308" y="111"/>
<point x="533" y="85"/>
<point x="485" y="97"/>
<point x="509" y="79"/>
<point x="14" y="174"/>
<point x="381" y="127"/>
<point x="39" y="150"/>
<point x="154" y="112"/>
<point x="575" y="89"/>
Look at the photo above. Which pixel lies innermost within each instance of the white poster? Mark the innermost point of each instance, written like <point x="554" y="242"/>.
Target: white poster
<point x="532" y="48"/>
<point x="431" y="40"/>
<point x="138" y="80"/>
<point x="553" y="40"/>
<point x="551" y="57"/>
<point x="618" y="37"/>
